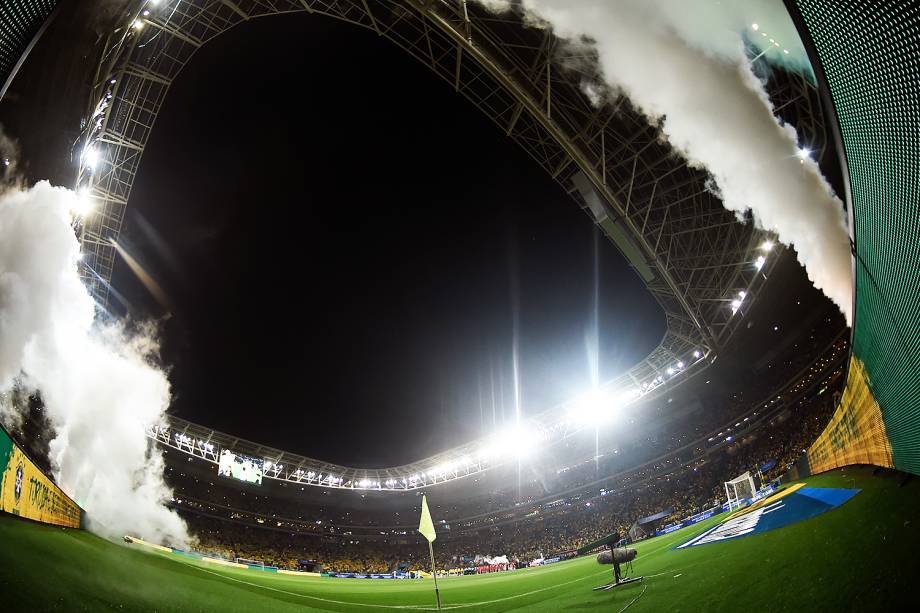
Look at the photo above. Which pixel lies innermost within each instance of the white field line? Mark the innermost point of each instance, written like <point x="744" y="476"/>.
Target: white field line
<point x="320" y="598"/>
<point x="397" y="606"/>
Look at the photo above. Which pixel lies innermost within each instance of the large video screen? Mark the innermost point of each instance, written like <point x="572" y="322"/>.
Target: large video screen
<point x="243" y="468"/>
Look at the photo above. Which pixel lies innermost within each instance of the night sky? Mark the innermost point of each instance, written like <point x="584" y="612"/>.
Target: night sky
<point x="343" y="240"/>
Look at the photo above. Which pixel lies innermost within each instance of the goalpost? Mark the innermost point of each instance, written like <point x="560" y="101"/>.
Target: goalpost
<point x="738" y="489"/>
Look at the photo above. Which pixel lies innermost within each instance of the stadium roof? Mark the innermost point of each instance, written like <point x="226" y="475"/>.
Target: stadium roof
<point x="701" y="264"/>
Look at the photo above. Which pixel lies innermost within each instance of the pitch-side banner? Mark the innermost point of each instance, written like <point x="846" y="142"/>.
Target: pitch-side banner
<point x="27" y="492"/>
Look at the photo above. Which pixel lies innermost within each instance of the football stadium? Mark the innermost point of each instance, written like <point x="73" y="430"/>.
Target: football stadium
<point x="619" y="313"/>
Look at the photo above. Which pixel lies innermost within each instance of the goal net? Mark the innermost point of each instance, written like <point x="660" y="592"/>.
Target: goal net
<point x="739" y="490"/>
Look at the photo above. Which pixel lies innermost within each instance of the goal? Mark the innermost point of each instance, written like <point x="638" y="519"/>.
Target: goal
<point x="251" y="563"/>
<point x="740" y="489"/>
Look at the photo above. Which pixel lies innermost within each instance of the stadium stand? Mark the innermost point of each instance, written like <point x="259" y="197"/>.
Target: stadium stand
<point x="675" y="469"/>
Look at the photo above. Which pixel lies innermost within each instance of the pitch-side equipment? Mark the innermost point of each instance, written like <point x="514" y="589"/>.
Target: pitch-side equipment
<point x="616" y="556"/>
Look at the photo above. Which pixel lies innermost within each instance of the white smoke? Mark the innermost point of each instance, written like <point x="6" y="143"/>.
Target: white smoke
<point x="97" y="381"/>
<point x="683" y="64"/>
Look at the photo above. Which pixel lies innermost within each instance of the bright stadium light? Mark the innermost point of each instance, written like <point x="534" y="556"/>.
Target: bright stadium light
<point x="755" y="27"/>
<point x="736" y="303"/>
<point x="90" y="156"/>
<point x="670" y="370"/>
<point x="759" y="262"/>
<point x="804" y="153"/>
<point x="696" y="354"/>
<point x="680" y="365"/>
<point x="597" y="407"/>
<point x="520" y="439"/>
<point x="84" y="204"/>
<point x="767" y="245"/>
<point x="138" y="24"/>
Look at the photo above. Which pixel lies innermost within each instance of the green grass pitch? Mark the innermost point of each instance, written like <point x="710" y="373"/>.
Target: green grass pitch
<point x="861" y="556"/>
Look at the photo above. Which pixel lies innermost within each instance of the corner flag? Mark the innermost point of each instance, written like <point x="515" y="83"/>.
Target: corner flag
<point x="425" y="526"/>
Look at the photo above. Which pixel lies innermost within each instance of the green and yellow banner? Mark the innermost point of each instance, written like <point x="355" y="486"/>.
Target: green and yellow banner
<point x="27" y="492"/>
<point x="856" y="433"/>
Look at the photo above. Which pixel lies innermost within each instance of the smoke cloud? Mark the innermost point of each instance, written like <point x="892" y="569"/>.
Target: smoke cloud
<point x="684" y="65"/>
<point x="99" y="382"/>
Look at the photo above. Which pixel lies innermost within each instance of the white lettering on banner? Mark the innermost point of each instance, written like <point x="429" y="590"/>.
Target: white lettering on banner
<point x="733" y="528"/>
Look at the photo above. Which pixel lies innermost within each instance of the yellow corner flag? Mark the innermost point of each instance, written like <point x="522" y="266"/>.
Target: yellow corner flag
<point x="427" y="529"/>
<point x="425" y="526"/>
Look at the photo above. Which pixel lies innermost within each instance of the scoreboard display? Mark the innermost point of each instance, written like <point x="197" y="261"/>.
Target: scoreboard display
<point x="240" y="467"/>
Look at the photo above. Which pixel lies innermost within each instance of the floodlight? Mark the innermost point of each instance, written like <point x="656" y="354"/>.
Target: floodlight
<point x="138" y="24"/>
<point x="597" y="407"/>
<point x="670" y="370"/>
<point x="759" y="262"/>
<point x="84" y="203"/>
<point x="592" y="408"/>
<point x="520" y="440"/>
<point x="767" y="245"/>
<point x="696" y="354"/>
<point x="755" y="27"/>
<point x="680" y="364"/>
<point x="90" y="156"/>
<point x="803" y="153"/>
